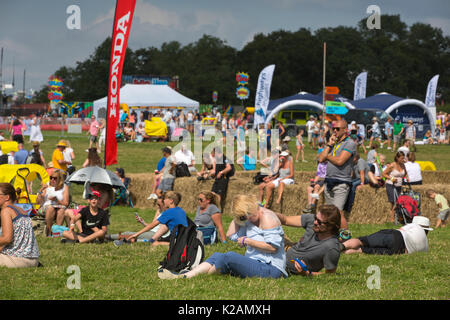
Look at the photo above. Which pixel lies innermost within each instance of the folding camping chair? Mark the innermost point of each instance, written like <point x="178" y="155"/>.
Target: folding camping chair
<point x="123" y="194"/>
<point x="209" y="234"/>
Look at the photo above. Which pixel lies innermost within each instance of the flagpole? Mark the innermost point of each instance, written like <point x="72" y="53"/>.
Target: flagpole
<point x="107" y="101"/>
<point x="323" y="81"/>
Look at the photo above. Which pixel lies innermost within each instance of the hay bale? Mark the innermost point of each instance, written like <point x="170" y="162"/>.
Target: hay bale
<point x="370" y="207"/>
<point x="438" y="177"/>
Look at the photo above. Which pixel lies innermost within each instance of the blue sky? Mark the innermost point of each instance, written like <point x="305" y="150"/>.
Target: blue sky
<point x="34" y="35"/>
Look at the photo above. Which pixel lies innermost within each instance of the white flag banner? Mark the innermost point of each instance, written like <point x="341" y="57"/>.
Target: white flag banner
<point x="430" y="98"/>
<point x="360" y="86"/>
<point x="263" y="95"/>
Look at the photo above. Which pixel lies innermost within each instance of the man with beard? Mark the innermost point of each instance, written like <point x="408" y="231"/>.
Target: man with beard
<point x="319" y="247"/>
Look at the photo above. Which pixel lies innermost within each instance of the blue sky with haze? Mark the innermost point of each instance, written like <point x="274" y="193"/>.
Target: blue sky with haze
<point x="34" y="35"/>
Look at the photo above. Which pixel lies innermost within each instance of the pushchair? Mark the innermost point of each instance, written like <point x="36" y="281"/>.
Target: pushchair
<point x="407" y="204"/>
<point x="123" y="195"/>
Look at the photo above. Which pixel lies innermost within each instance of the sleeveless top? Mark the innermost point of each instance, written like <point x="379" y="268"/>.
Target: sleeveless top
<point x="285" y="172"/>
<point x="398" y="175"/>
<point x="24" y="244"/>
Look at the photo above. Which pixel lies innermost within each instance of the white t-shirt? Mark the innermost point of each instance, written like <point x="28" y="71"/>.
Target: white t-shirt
<point x="414" y="171"/>
<point x="309" y="125"/>
<point x="415" y="238"/>
<point x="190" y="116"/>
<point x="51" y="192"/>
<point x="67" y="154"/>
<point x="224" y="124"/>
<point x="187" y="157"/>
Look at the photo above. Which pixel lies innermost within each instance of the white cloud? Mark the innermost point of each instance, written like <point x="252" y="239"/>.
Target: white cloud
<point x="441" y="23"/>
<point x="148" y="13"/>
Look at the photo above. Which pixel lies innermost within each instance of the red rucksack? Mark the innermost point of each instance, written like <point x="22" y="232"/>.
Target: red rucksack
<point x="409" y="206"/>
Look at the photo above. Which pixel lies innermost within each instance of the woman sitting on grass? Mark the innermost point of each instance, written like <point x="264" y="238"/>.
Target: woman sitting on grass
<point x="93" y="222"/>
<point x="209" y="215"/>
<point x="256" y="228"/>
<point x="54" y="200"/>
<point x="18" y="246"/>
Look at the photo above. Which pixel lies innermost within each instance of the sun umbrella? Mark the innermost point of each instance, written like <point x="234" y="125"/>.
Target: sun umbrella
<point x="95" y="175"/>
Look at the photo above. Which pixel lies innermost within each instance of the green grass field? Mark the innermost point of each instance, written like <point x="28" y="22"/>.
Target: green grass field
<point x="129" y="272"/>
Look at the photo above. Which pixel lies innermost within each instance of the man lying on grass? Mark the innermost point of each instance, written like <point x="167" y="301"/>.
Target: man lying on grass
<point x="93" y="222"/>
<point x="410" y="238"/>
<point x="319" y="247"/>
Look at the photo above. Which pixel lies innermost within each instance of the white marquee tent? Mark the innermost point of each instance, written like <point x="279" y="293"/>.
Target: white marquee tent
<point x="147" y="95"/>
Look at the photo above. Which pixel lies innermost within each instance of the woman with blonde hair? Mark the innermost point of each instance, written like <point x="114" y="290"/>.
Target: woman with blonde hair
<point x="256" y="228"/>
<point x="54" y="199"/>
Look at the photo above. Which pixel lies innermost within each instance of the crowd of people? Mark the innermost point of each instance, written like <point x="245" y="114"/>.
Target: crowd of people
<point x="340" y="173"/>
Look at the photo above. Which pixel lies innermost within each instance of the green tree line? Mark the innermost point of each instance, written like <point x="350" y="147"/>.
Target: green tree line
<point x="399" y="59"/>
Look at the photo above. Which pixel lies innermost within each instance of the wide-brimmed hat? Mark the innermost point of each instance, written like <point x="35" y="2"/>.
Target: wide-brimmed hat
<point x="287" y="138"/>
<point x="422" y="221"/>
<point x="62" y="143"/>
<point x="284" y="154"/>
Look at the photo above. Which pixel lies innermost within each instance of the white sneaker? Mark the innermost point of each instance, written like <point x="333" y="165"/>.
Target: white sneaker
<point x="152" y="196"/>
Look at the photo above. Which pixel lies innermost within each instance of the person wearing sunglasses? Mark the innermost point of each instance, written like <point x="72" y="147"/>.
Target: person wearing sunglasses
<point x="54" y="199"/>
<point x="319" y="247"/>
<point x="259" y="231"/>
<point x="209" y="215"/>
<point x="338" y="152"/>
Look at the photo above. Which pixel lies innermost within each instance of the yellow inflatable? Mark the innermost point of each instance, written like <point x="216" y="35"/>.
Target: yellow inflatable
<point x="8" y="146"/>
<point x="19" y="174"/>
<point x="155" y="127"/>
<point x="209" y="122"/>
<point x="426" y="165"/>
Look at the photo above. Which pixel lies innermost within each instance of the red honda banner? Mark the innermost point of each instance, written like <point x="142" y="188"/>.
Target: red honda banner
<point x="122" y="25"/>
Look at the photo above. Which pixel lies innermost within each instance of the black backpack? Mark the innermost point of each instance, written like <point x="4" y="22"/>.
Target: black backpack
<point x="182" y="170"/>
<point x="186" y="250"/>
<point x="33" y="157"/>
<point x="259" y="178"/>
<point x="231" y="172"/>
